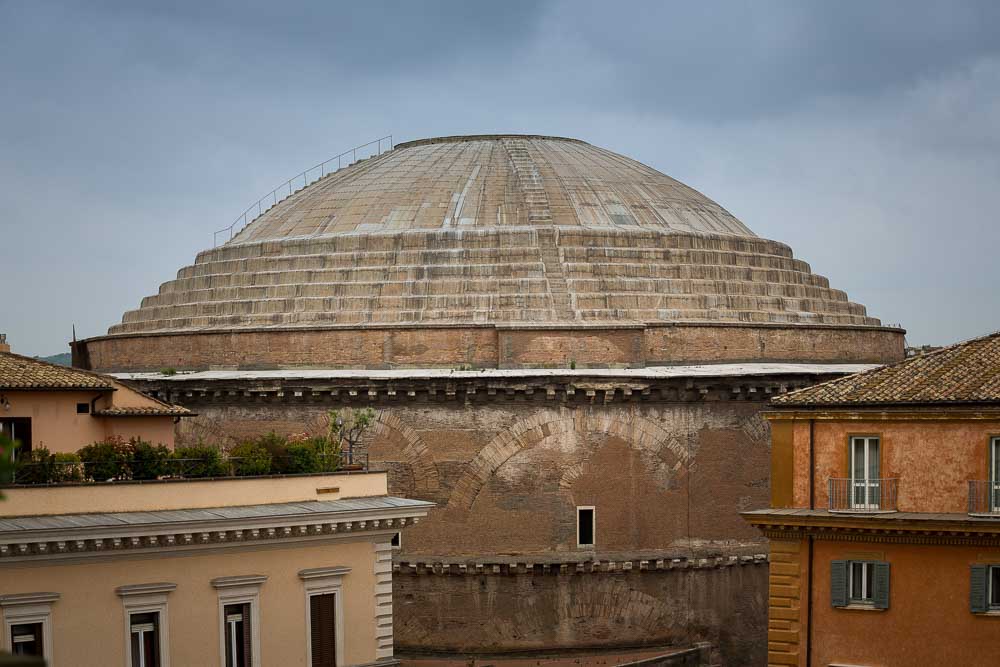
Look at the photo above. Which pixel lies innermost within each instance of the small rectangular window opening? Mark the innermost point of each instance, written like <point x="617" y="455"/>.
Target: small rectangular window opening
<point x="396" y="541"/>
<point x="83" y="408"/>
<point x="994" y="585"/>
<point x="238" y="648"/>
<point x="585" y="525"/>
<point x="26" y="639"/>
<point x="862" y="582"/>
<point x="145" y="640"/>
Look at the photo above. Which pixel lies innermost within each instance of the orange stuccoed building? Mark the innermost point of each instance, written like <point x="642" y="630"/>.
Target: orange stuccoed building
<point x="885" y="515"/>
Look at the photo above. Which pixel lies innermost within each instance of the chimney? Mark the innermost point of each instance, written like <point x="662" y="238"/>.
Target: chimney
<point x="4" y="347"/>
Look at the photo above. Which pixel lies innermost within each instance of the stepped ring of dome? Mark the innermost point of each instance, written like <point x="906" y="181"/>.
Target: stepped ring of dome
<point x="509" y="231"/>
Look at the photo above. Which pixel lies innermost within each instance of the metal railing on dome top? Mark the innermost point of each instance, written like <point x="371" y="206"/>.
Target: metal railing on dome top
<point x="371" y="149"/>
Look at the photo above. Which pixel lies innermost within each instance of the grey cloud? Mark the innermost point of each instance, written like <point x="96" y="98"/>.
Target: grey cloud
<point x="863" y="134"/>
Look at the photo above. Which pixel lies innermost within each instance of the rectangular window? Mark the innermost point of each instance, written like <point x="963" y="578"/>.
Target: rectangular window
<point x="145" y="639"/>
<point x="995" y="475"/>
<point x="239" y="647"/>
<point x="865" y="483"/>
<point x="862" y="582"/>
<point x="26" y="639"/>
<point x="586" y="526"/>
<point x="83" y="408"/>
<point x="323" y="629"/>
<point x="994" y="594"/>
<point x="859" y="583"/>
<point x="396" y="541"/>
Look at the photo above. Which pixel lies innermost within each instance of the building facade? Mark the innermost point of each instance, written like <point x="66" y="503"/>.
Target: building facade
<point x="44" y="405"/>
<point x="567" y="351"/>
<point x="885" y="515"/>
<point x="249" y="572"/>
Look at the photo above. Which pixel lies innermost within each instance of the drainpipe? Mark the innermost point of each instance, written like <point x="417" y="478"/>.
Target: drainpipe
<point x="809" y="578"/>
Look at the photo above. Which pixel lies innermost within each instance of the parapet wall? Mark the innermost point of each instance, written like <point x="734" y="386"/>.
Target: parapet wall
<point x="527" y="607"/>
<point x="624" y="346"/>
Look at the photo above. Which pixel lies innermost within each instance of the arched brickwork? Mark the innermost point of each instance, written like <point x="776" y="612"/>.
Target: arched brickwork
<point x="639" y="432"/>
<point x="415" y="452"/>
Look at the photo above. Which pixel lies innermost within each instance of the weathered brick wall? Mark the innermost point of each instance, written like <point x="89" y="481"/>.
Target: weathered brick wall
<point x="489" y="347"/>
<point x="688" y="343"/>
<point x="668" y="470"/>
<point x="725" y="606"/>
<point x="508" y="476"/>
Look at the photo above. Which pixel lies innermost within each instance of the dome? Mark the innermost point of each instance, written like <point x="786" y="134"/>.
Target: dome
<point x="493" y="182"/>
<point x="488" y="231"/>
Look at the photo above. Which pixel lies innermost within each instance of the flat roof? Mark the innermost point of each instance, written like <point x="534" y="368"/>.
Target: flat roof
<point x="130" y="520"/>
<point x="648" y="373"/>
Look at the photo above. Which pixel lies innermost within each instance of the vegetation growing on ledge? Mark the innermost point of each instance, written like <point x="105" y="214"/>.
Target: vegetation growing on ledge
<point x="117" y="459"/>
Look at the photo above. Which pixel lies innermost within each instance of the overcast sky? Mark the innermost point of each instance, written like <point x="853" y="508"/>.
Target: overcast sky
<point x="866" y="135"/>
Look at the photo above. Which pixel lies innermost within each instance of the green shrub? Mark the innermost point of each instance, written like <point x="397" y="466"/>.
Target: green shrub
<point x="35" y="467"/>
<point x="301" y="457"/>
<point x="7" y="449"/>
<point x="106" y="460"/>
<point x="328" y="453"/>
<point x="277" y="446"/>
<point x="199" y="461"/>
<point x="250" y="458"/>
<point x="68" y="468"/>
<point x="148" y="461"/>
<point x="168" y="371"/>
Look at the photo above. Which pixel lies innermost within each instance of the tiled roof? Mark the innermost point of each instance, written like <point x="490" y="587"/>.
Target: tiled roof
<point x="965" y="373"/>
<point x="18" y="372"/>
<point x="152" y="411"/>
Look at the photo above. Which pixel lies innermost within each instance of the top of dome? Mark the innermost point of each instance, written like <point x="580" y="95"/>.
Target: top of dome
<point x="481" y="181"/>
<point x="486" y="231"/>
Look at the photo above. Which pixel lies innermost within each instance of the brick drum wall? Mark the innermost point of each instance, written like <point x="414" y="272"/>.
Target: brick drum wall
<point x="489" y="347"/>
<point x="725" y="606"/>
<point x="667" y="478"/>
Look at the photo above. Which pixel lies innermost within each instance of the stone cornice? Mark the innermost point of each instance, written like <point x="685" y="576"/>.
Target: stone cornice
<point x="145" y="589"/>
<point x="952" y="412"/>
<point x="17" y="599"/>
<point x="575" y="389"/>
<point x="940" y="529"/>
<point x="323" y="572"/>
<point x="180" y="538"/>
<point x="541" y="566"/>
<point x="239" y="580"/>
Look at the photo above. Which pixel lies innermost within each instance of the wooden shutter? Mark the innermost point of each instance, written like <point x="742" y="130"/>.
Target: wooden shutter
<point x="247" y="635"/>
<point x="977" y="589"/>
<point x="323" y="630"/>
<point x="838" y="583"/>
<point x="881" y="585"/>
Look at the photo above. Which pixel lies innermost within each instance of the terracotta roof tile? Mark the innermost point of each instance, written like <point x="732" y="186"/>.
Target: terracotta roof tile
<point x="18" y="372"/>
<point x="968" y="372"/>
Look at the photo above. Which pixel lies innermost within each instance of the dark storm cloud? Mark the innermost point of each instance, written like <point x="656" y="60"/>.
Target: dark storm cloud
<point x="864" y="134"/>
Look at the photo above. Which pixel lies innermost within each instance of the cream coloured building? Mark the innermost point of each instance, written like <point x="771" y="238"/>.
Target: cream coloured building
<point x="243" y="572"/>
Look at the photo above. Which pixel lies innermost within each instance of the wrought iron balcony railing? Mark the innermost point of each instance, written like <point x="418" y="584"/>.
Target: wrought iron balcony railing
<point x="984" y="498"/>
<point x="863" y="495"/>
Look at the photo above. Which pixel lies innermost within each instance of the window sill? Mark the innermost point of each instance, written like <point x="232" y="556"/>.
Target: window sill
<point x="861" y="607"/>
<point x="995" y="613"/>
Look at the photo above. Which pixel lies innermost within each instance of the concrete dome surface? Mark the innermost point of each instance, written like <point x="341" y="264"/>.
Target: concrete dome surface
<point x="493" y="181"/>
<point x="486" y="231"/>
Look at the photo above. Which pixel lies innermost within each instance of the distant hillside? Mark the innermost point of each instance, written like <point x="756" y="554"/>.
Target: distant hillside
<point x="64" y="359"/>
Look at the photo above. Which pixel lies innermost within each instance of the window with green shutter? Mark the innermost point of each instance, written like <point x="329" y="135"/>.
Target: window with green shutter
<point x="860" y="583"/>
<point x="838" y="583"/>
<point x="977" y="589"/>
<point x="984" y="589"/>
<point x="881" y="593"/>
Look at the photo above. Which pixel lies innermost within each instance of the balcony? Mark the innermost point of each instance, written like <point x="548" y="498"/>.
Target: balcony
<point x="984" y="498"/>
<point x="863" y="496"/>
